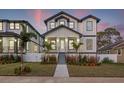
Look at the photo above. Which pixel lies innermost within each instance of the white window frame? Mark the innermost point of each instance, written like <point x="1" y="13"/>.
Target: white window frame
<point x="11" y="25"/>
<point x="53" y="45"/>
<point x="88" y="45"/>
<point x="35" y="48"/>
<point x="17" y="26"/>
<point x="70" y="46"/>
<point x="71" y="24"/>
<point x="11" y="47"/>
<point x="120" y="52"/>
<point x="1" y="26"/>
<point x="89" y="26"/>
<point x="52" y="25"/>
<point x="61" y="22"/>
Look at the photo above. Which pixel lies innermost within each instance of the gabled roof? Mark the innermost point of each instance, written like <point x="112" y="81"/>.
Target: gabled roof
<point x="80" y="20"/>
<point x="108" y="47"/>
<point x="62" y="12"/>
<point x="61" y="26"/>
<point x="9" y="34"/>
<point x="21" y="21"/>
<point x="91" y="16"/>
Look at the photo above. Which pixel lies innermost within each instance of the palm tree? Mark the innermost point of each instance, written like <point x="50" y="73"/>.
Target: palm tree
<point x="48" y="47"/>
<point x="25" y="37"/>
<point x="76" y="46"/>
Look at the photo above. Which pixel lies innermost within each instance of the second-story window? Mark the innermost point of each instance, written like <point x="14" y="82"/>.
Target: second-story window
<point x="89" y="26"/>
<point x="11" y="25"/>
<point x="1" y="26"/>
<point x="62" y="22"/>
<point x="17" y="26"/>
<point x="71" y="24"/>
<point x="52" y="25"/>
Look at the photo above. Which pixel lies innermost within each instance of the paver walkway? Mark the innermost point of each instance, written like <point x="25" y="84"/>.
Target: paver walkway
<point x="61" y="69"/>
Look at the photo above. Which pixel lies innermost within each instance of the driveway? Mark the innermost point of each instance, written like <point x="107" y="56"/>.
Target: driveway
<point x="24" y="79"/>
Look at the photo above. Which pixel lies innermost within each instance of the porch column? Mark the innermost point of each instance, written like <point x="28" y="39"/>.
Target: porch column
<point x="57" y="44"/>
<point x="66" y="44"/>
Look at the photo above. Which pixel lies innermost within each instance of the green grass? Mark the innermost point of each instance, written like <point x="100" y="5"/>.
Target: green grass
<point x="104" y="70"/>
<point x="37" y="69"/>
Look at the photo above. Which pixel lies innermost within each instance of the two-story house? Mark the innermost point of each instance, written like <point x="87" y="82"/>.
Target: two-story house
<point x="9" y="37"/>
<point x="63" y="29"/>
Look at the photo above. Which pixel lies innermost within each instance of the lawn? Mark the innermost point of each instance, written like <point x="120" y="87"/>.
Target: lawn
<point x="37" y="69"/>
<point x="104" y="70"/>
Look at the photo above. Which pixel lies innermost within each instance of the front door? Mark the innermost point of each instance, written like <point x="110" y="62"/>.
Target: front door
<point x="62" y="45"/>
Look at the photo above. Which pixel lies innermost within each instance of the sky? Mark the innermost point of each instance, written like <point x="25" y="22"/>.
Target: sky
<point x="109" y="17"/>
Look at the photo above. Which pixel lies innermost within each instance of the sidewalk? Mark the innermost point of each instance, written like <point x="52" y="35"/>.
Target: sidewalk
<point x="39" y="79"/>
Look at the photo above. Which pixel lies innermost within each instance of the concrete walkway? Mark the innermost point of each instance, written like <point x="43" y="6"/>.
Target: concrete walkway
<point x="61" y="69"/>
<point x="39" y="79"/>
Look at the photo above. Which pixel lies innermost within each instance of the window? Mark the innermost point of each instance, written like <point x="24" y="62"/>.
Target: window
<point x="11" y="25"/>
<point x="89" y="26"/>
<point x="35" y="48"/>
<point x="52" y="25"/>
<point x="11" y="44"/>
<point x="70" y="43"/>
<point x="89" y="44"/>
<point x="71" y="24"/>
<point x="1" y="26"/>
<point x="17" y="26"/>
<point x="53" y="44"/>
<point x="62" y="22"/>
<point x="119" y="51"/>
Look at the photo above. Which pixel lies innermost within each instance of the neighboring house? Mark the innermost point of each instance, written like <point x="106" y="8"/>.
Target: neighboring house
<point x="63" y="29"/>
<point x="9" y="37"/>
<point x="116" y="48"/>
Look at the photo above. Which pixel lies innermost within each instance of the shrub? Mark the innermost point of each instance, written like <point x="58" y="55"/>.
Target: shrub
<point x="25" y="70"/>
<point x="17" y="71"/>
<point x="107" y="60"/>
<point x="72" y="60"/>
<point x="49" y="59"/>
<point x="17" y="59"/>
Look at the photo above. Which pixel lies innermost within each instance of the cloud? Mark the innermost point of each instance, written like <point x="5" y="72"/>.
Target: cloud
<point x="102" y="26"/>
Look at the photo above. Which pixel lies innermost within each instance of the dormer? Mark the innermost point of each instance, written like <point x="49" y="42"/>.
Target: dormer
<point x="62" y="18"/>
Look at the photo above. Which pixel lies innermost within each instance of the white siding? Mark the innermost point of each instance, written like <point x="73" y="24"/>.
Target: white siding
<point x="83" y="27"/>
<point x="84" y="46"/>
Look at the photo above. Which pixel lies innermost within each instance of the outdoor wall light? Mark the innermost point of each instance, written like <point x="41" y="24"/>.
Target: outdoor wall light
<point x="0" y="40"/>
<point x="15" y="40"/>
<point x="57" y="40"/>
<point x="78" y="40"/>
<point x="45" y="40"/>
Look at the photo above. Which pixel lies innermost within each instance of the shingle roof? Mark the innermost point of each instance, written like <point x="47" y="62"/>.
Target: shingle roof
<point x="108" y="47"/>
<point x="6" y="34"/>
<point x="91" y="16"/>
<point x="62" y="12"/>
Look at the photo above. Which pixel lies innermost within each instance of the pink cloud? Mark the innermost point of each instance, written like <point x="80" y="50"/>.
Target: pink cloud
<point x="102" y="26"/>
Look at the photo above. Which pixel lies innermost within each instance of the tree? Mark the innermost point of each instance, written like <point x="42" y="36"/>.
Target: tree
<point x="108" y="36"/>
<point x="25" y="37"/>
<point x="76" y="46"/>
<point x="47" y="46"/>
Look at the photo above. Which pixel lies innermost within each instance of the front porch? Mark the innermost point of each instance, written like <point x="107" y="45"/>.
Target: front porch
<point x="62" y="44"/>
